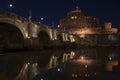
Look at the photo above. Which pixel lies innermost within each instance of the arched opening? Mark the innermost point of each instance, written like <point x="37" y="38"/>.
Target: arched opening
<point x="2" y="40"/>
<point x="59" y="38"/>
<point x="69" y="38"/>
<point x="10" y="36"/>
<point x="44" y="38"/>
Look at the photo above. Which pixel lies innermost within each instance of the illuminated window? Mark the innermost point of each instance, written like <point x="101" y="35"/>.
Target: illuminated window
<point x="72" y="17"/>
<point x="75" y="17"/>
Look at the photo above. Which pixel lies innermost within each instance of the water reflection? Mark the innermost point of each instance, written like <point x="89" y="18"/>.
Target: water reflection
<point x="27" y="65"/>
<point x="85" y="64"/>
<point x="28" y="71"/>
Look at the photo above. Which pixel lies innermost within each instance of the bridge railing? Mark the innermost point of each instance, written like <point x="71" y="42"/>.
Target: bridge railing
<point x="40" y="24"/>
<point x="11" y="15"/>
<point x="7" y="14"/>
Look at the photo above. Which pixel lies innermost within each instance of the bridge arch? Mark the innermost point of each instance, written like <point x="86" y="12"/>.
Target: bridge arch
<point x="44" y="38"/>
<point x="60" y="38"/>
<point x="11" y="36"/>
<point x="17" y="23"/>
<point x="68" y="38"/>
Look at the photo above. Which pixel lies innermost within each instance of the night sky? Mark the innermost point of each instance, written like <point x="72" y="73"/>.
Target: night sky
<point x="54" y="10"/>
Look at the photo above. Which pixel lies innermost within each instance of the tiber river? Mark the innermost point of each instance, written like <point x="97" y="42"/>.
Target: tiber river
<point x="79" y="64"/>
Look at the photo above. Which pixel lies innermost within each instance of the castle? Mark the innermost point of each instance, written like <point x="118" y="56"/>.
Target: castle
<point x="77" y="23"/>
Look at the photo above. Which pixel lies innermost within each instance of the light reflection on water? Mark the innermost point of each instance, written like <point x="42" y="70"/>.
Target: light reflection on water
<point x="26" y="65"/>
<point x="80" y="63"/>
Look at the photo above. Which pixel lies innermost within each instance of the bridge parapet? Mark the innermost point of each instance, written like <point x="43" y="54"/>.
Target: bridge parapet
<point x="11" y="15"/>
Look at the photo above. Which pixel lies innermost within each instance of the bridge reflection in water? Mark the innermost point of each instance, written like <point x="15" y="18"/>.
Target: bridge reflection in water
<point x="27" y="65"/>
<point x="79" y="64"/>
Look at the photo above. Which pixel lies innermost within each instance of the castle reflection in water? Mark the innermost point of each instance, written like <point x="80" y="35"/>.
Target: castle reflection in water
<point x="85" y="64"/>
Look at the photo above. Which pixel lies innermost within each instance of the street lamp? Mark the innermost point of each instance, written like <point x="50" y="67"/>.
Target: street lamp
<point x="41" y="20"/>
<point x="58" y="26"/>
<point x="11" y="6"/>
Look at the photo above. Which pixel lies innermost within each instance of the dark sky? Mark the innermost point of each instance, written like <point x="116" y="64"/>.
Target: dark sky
<point x="53" y="10"/>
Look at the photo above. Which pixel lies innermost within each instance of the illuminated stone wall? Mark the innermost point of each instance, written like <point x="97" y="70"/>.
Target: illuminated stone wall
<point x="109" y="29"/>
<point x="77" y="23"/>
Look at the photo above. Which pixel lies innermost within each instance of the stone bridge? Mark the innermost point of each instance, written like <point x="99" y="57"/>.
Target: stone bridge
<point x="19" y="32"/>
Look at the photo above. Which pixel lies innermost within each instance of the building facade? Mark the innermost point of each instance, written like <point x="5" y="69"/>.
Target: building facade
<point x="77" y="23"/>
<point x="108" y="28"/>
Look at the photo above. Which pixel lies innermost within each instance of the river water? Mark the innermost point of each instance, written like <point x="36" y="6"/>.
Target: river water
<point x="68" y="64"/>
